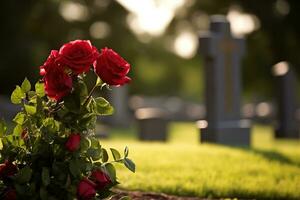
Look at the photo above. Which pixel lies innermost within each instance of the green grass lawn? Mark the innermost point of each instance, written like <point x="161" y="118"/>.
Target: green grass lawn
<point x="182" y="166"/>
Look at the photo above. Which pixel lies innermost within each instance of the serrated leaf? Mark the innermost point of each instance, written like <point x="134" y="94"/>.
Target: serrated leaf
<point x="95" y="154"/>
<point x="19" y="118"/>
<point x="39" y="89"/>
<point x="103" y="107"/>
<point x="31" y="110"/>
<point x="17" y="130"/>
<point x="24" y="175"/>
<point x="84" y="144"/>
<point x="126" y="152"/>
<point x="129" y="164"/>
<point x="3" y="127"/>
<point x="45" y="176"/>
<point x="116" y="154"/>
<point x="17" y="95"/>
<point x="26" y="86"/>
<point x="104" y="155"/>
<point x="110" y="170"/>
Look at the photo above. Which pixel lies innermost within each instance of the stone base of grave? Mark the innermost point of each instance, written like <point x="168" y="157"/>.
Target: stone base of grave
<point x="235" y="133"/>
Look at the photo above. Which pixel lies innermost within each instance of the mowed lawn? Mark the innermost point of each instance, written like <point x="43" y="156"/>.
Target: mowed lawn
<point x="182" y="166"/>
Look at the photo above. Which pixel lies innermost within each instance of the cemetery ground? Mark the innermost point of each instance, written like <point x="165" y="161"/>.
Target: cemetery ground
<point x="270" y="169"/>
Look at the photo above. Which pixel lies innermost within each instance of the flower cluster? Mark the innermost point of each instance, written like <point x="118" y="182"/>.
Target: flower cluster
<point x="52" y="152"/>
<point x="77" y="57"/>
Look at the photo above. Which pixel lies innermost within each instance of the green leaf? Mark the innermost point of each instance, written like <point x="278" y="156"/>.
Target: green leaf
<point x="31" y="110"/>
<point x="95" y="154"/>
<point x="18" y="130"/>
<point x="116" y="154"/>
<point x="3" y="127"/>
<point x="98" y="82"/>
<point x="26" y="86"/>
<point x="126" y="152"/>
<point x="17" y="95"/>
<point x="84" y="144"/>
<point x="104" y="155"/>
<point x="110" y="170"/>
<point x="24" y="175"/>
<point x="129" y="164"/>
<point x="82" y="90"/>
<point x="75" y="167"/>
<point x="19" y="118"/>
<point x="45" y="176"/>
<point x="103" y="107"/>
<point x="39" y="89"/>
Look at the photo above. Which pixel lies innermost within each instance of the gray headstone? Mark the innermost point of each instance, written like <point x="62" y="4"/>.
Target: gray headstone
<point x="286" y="101"/>
<point x="222" y="57"/>
<point x="118" y="97"/>
<point x="152" y="124"/>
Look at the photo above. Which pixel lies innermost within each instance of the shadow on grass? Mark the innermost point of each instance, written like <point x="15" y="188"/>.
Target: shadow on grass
<point x="271" y="155"/>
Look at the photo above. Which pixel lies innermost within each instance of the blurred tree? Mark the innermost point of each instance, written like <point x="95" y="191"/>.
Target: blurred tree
<point x="31" y="29"/>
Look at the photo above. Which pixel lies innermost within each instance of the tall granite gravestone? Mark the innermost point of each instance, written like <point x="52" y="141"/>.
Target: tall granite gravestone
<point x="286" y="101"/>
<point x="222" y="57"/>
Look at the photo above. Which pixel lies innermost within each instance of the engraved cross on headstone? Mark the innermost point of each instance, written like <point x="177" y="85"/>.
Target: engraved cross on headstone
<point x="222" y="55"/>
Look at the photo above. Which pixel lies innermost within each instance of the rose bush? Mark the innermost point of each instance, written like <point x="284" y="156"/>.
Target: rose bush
<point x="52" y="152"/>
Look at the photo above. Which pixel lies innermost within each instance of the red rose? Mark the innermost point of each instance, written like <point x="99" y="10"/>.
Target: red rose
<point x="78" y="55"/>
<point x="7" y="169"/>
<point x="112" y="68"/>
<point x="73" y="142"/>
<point x="57" y="82"/>
<point x="101" y="179"/>
<point x="10" y="194"/>
<point x="86" y="190"/>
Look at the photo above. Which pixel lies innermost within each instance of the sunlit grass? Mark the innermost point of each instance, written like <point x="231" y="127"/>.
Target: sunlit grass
<point x="182" y="166"/>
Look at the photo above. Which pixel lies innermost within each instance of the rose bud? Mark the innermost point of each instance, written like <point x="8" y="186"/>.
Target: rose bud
<point x="78" y="55"/>
<point x="73" y="142"/>
<point x="57" y="82"/>
<point x="10" y="194"/>
<point x="112" y="68"/>
<point x="86" y="190"/>
<point x="24" y="135"/>
<point x="101" y="179"/>
<point x="7" y="169"/>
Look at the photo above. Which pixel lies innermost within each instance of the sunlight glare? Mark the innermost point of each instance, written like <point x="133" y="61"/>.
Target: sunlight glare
<point x="150" y="16"/>
<point x="186" y="44"/>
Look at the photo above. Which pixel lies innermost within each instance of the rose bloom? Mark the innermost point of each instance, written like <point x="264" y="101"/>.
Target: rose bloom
<point x="86" y="190"/>
<point x="78" y="55"/>
<point x="57" y="82"/>
<point x="7" y="169"/>
<point x="112" y="68"/>
<point x="73" y="142"/>
<point x="10" y="194"/>
<point x="100" y="178"/>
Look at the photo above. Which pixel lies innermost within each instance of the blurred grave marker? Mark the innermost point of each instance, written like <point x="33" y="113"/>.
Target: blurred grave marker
<point x="118" y="97"/>
<point x="222" y="56"/>
<point x="152" y="124"/>
<point x="286" y="101"/>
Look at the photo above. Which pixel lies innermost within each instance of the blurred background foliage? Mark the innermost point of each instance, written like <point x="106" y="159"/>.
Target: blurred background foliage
<point x="158" y="37"/>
